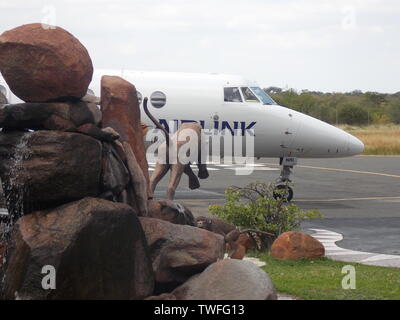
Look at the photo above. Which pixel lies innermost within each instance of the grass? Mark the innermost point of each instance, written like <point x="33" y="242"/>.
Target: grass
<point x="378" y="139"/>
<point x="321" y="279"/>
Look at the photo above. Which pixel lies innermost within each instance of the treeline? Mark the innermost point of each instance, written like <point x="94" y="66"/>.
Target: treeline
<point x="353" y="108"/>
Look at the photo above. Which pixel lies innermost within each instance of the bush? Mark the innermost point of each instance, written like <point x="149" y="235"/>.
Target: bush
<point x="394" y="113"/>
<point x="352" y="114"/>
<point x="254" y="207"/>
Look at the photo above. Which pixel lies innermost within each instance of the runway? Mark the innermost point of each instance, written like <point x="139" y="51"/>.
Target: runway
<point x="359" y="197"/>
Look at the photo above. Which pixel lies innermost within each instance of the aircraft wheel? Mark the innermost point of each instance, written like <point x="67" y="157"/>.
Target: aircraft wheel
<point x="283" y="191"/>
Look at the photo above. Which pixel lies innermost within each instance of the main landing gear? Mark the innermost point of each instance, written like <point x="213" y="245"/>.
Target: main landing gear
<point x="282" y="189"/>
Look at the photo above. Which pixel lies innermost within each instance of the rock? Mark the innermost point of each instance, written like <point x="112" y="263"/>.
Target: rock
<point x="97" y="248"/>
<point x="120" y="108"/>
<point x="297" y="245"/>
<point x="3" y="99"/>
<point x="71" y="116"/>
<point x="215" y="225"/>
<point x="178" y="252"/>
<point x="138" y="180"/>
<point x="164" y="296"/>
<point x="44" y="64"/>
<point x="92" y="99"/>
<point x="228" y="279"/>
<point x="170" y="211"/>
<point x="44" y="169"/>
<point x="115" y="174"/>
<point x="242" y="244"/>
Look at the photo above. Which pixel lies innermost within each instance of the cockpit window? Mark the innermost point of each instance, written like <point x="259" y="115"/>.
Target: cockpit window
<point x="232" y="94"/>
<point x="248" y="95"/>
<point x="265" y="98"/>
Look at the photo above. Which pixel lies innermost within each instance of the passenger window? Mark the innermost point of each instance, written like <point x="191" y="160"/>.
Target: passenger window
<point x="158" y="99"/>
<point x="248" y="95"/>
<point x="232" y="95"/>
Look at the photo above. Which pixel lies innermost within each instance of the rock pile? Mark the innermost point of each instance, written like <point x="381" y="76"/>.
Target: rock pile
<point x="63" y="172"/>
<point x="40" y="164"/>
<point x="75" y="178"/>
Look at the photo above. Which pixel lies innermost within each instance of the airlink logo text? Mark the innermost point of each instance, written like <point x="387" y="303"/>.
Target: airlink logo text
<point x="236" y="128"/>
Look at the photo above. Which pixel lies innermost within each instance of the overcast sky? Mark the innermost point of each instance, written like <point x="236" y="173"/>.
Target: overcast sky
<point x="330" y="45"/>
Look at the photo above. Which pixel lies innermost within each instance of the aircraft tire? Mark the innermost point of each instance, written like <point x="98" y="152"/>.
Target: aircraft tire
<point x="278" y="192"/>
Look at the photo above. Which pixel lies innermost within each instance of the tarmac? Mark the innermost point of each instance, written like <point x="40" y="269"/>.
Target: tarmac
<point x="359" y="198"/>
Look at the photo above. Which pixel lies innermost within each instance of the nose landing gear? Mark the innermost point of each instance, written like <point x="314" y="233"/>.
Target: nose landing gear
<point x="283" y="190"/>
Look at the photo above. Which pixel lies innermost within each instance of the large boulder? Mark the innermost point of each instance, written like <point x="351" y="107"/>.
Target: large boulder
<point x="228" y="279"/>
<point x="120" y="108"/>
<point x="115" y="174"/>
<point x="178" y="252"/>
<point x="170" y="211"/>
<point x="69" y="116"/>
<point x="44" y="64"/>
<point x="297" y="245"/>
<point x="44" y="169"/>
<point x="63" y="116"/>
<point x="96" y="247"/>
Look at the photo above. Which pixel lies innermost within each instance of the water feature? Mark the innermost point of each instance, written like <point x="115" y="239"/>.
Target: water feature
<point x="13" y="186"/>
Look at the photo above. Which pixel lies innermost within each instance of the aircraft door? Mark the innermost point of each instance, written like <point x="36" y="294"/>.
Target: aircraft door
<point x="290" y="131"/>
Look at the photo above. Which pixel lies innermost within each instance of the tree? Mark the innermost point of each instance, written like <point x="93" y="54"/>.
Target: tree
<point x="273" y="90"/>
<point x="375" y="99"/>
<point x="394" y="112"/>
<point x="352" y="114"/>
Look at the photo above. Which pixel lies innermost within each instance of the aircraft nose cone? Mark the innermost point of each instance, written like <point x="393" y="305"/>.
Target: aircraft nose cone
<point x="355" y="146"/>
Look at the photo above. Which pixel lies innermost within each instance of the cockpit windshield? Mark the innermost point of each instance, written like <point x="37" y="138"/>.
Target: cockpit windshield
<point x="265" y="98"/>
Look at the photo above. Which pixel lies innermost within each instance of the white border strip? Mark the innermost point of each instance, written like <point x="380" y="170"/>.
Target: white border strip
<point x="329" y="239"/>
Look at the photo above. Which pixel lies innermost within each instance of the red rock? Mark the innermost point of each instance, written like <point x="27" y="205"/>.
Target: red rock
<point x="297" y="245"/>
<point x="44" y="64"/>
<point x="178" y="252"/>
<point x="242" y="244"/>
<point x="49" y="168"/>
<point x="121" y="112"/>
<point x="97" y="247"/>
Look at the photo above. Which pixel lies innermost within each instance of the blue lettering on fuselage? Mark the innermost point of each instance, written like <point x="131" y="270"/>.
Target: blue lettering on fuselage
<point x="235" y="127"/>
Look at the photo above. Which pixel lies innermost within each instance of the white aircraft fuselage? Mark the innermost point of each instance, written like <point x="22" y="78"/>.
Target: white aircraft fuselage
<point x="220" y="101"/>
<point x="279" y="131"/>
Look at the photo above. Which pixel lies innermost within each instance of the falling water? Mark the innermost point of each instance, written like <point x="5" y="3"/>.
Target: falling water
<point x="14" y="188"/>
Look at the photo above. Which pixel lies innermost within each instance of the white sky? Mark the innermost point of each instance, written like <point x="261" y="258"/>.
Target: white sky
<point x="327" y="45"/>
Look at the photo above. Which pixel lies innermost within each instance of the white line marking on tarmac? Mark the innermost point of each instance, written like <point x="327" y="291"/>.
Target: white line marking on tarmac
<point x="328" y="239"/>
<point x="238" y="167"/>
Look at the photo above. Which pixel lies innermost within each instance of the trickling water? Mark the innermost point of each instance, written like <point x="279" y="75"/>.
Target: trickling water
<point x="14" y="188"/>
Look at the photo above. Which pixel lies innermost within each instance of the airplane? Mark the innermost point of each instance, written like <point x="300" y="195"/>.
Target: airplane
<point x="231" y="102"/>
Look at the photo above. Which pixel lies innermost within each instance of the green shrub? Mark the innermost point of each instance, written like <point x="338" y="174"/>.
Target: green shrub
<point x="352" y="114"/>
<point x="254" y="207"/>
